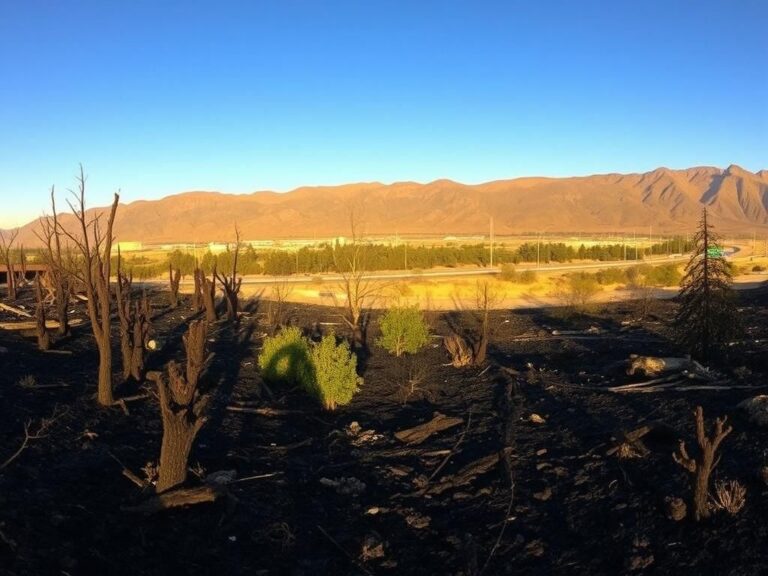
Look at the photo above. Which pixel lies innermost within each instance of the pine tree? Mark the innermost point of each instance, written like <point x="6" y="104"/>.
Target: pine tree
<point x="706" y="317"/>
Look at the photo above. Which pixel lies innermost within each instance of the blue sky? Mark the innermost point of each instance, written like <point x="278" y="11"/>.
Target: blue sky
<point x="158" y="97"/>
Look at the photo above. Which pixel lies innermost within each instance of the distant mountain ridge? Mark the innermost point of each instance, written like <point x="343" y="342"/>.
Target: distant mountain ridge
<point x="667" y="200"/>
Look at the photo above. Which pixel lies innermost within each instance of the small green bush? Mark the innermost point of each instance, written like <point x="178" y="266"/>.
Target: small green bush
<point x="335" y="370"/>
<point x="326" y="370"/>
<point x="528" y="277"/>
<point x="665" y="275"/>
<point x="611" y="276"/>
<point x="758" y="268"/>
<point x="580" y="289"/>
<point x="403" y="330"/>
<point x="509" y="274"/>
<point x="286" y="357"/>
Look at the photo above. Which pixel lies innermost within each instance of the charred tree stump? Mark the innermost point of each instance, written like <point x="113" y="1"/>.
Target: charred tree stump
<point x="231" y="287"/>
<point x="174" y="277"/>
<point x="182" y="407"/>
<point x="230" y="284"/>
<point x="134" y="327"/>
<point x="702" y="467"/>
<point x="208" y="289"/>
<point x="460" y="352"/>
<point x="43" y="340"/>
<point x="197" y="295"/>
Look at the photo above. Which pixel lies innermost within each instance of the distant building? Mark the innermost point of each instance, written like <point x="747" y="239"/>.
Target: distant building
<point x="128" y="247"/>
<point x="217" y="247"/>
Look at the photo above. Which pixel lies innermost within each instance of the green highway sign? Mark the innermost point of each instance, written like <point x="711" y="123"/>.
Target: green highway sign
<point x="715" y="252"/>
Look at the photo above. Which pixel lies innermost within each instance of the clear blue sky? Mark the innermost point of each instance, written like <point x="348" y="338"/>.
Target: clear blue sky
<point x="159" y="97"/>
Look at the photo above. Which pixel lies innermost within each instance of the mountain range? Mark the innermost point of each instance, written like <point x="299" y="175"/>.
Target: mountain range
<point x="669" y="201"/>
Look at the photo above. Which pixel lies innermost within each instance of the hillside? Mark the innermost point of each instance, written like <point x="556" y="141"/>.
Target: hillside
<point x="668" y="200"/>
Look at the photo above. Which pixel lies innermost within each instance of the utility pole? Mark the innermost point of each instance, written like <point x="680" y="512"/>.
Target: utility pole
<point x="538" y="248"/>
<point x="491" y="234"/>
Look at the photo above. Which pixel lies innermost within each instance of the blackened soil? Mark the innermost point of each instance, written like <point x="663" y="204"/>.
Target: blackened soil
<point x="555" y="503"/>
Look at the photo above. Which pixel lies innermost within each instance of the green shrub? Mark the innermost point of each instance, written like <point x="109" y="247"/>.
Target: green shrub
<point x="580" y="289"/>
<point x="403" y="330"/>
<point x="286" y="358"/>
<point x="508" y="273"/>
<point x="758" y="268"/>
<point x="611" y="276"/>
<point x="335" y="371"/>
<point x="528" y="277"/>
<point x="326" y="370"/>
<point x="664" y="275"/>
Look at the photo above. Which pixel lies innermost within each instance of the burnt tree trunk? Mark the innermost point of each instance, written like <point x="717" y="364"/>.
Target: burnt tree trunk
<point x="702" y="467"/>
<point x="197" y="295"/>
<point x="139" y="333"/>
<point x="62" y="303"/>
<point x="43" y="340"/>
<point x="134" y="327"/>
<point x="480" y="347"/>
<point x="11" y="274"/>
<point x="105" y="396"/>
<point x="208" y="288"/>
<point x="182" y="407"/>
<point x="174" y="276"/>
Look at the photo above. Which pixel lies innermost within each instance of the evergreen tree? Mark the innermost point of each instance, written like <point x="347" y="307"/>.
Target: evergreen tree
<point x="706" y="317"/>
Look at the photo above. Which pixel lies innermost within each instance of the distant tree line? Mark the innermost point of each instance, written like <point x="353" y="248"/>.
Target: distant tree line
<point x="373" y="257"/>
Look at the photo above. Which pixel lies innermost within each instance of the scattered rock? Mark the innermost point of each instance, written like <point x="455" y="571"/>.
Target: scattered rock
<point x="418" y="521"/>
<point x="345" y="486"/>
<point x="675" y="508"/>
<point x="536" y="419"/>
<point x="559" y="471"/>
<point x="541" y="452"/>
<point x="540" y="466"/>
<point x="400" y="471"/>
<point x="756" y="409"/>
<point x="763" y="473"/>
<point x="544" y="495"/>
<point x="221" y="477"/>
<point x="373" y="547"/>
<point x="639" y="562"/>
<point x="359" y="437"/>
<point x="535" y="548"/>
<point x="353" y="429"/>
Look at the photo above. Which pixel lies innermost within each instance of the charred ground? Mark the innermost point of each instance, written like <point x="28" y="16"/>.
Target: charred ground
<point x="512" y="497"/>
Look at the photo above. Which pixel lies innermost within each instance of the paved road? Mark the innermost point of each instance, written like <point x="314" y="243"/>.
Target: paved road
<point x="453" y="273"/>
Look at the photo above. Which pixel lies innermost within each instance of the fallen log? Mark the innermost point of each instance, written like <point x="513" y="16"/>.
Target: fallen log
<point x="420" y="433"/>
<point x="264" y="411"/>
<point x="685" y="386"/>
<point x="466" y="474"/>
<point x="634" y="437"/>
<point x="32" y="325"/>
<point x="176" y="498"/>
<point x="14" y="310"/>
